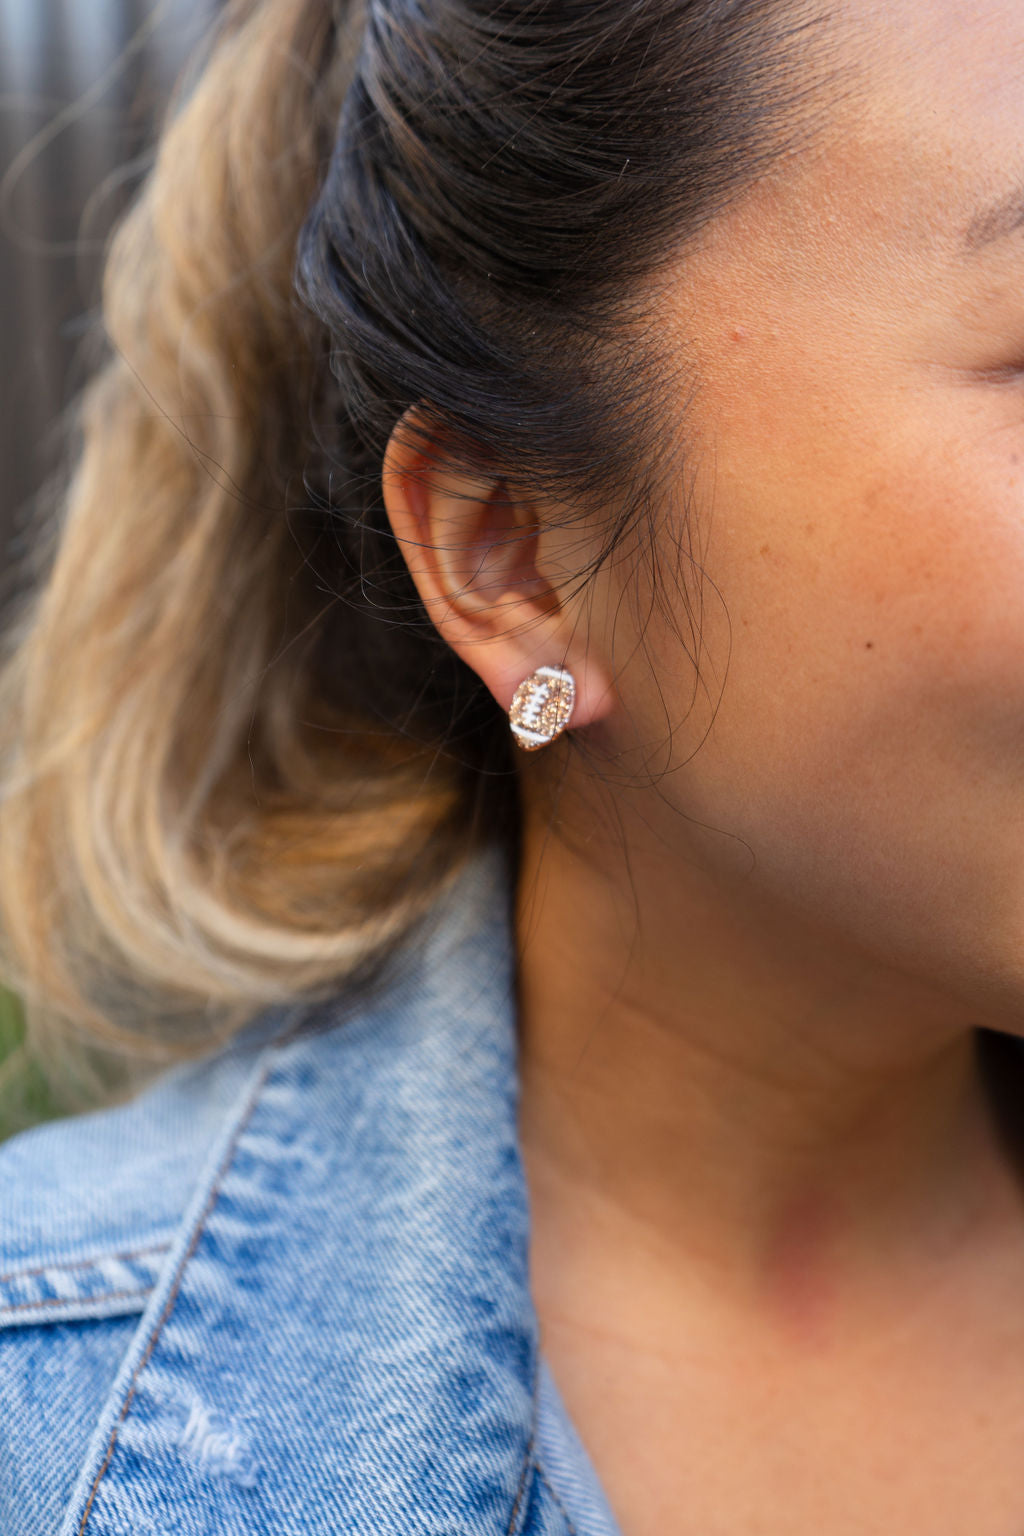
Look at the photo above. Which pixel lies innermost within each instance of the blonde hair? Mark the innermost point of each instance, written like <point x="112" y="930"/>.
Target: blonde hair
<point x="236" y="760"/>
<point x="190" y="829"/>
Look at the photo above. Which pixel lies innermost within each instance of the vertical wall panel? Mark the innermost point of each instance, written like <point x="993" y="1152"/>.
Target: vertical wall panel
<point x="82" y="83"/>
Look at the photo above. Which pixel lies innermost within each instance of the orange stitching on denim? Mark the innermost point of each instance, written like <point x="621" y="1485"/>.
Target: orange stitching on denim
<point x="90" y="1263"/>
<point x="554" y="1494"/>
<point x="528" y="1462"/>
<point x="528" y="1458"/>
<point x="173" y="1294"/>
<point x="72" y="1301"/>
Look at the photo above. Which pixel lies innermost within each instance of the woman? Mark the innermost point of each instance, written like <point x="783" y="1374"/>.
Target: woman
<point x="644" y="376"/>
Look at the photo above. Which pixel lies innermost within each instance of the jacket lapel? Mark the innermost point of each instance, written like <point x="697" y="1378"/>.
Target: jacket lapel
<point x="342" y="1338"/>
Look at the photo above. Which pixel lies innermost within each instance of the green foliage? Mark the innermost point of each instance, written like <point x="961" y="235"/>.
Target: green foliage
<point x="25" y="1096"/>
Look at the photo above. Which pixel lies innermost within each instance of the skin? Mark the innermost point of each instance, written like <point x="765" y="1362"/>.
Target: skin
<point x="778" y="1241"/>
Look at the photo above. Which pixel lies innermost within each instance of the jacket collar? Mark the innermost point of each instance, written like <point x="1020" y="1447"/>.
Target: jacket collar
<point x="344" y="1324"/>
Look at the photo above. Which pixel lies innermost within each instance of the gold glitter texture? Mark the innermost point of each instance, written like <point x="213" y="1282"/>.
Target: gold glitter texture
<point x="541" y="707"/>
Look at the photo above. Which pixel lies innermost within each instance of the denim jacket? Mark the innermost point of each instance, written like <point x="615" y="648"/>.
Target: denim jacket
<point x="286" y="1288"/>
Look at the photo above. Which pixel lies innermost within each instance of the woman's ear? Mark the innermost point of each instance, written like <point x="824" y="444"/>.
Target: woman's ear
<point x="477" y="555"/>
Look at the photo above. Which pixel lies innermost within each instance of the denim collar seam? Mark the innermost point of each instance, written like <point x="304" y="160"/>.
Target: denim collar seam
<point x="545" y="1479"/>
<point x="172" y="1294"/>
<point x="529" y="1456"/>
<point x="58" y="1303"/>
<point x="520" y="1500"/>
<point x="90" y="1261"/>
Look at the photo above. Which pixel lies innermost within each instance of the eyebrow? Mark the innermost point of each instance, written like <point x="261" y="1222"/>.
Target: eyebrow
<point x="1001" y="220"/>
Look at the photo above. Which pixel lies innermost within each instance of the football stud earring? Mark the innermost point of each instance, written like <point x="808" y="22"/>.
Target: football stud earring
<point x="541" y="707"/>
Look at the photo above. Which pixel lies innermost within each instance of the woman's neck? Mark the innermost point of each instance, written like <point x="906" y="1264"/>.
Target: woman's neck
<point x="715" y="1092"/>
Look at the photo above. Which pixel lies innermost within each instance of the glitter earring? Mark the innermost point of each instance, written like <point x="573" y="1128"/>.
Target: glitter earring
<point x="541" y="707"/>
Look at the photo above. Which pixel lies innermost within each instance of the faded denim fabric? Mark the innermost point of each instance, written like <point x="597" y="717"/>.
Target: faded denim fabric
<point x="286" y="1289"/>
<point x="565" y="1465"/>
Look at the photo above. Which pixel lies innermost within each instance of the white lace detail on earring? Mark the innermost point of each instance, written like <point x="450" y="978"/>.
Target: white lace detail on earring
<point x="541" y="707"/>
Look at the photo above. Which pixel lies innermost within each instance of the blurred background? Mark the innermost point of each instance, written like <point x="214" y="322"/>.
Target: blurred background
<point x="83" y="87"/>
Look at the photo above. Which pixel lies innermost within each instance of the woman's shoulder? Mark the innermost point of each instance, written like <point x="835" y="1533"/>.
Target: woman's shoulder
<point x="292" y="1278"/>
<point x="119" y="1180"/>
<point x="90" y="1204"/>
